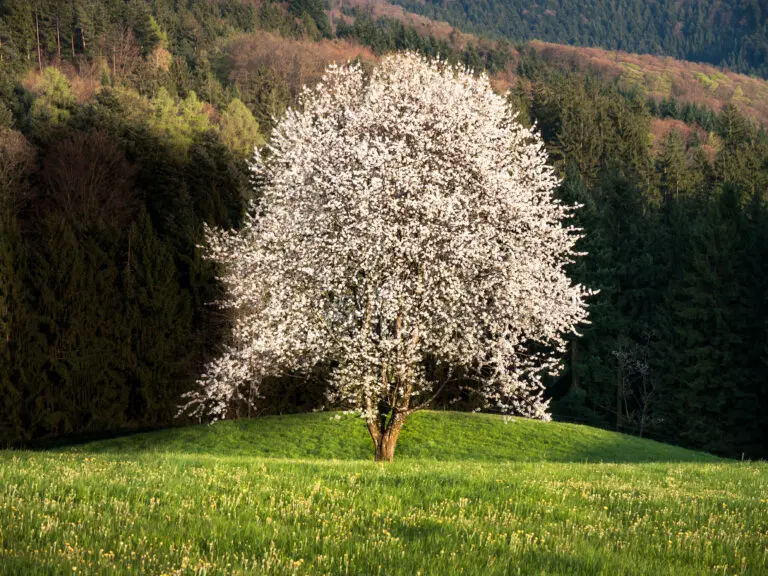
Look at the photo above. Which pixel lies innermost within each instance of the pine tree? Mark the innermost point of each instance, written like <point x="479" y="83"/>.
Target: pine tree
<point x="163" y="340"/>
<point x="675" y="177"/>
<point x="709" y="396"/>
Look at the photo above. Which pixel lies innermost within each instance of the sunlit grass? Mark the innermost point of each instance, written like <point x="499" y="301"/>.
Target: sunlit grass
<point x="146" y="511"/>
<point x="427" y="435"/>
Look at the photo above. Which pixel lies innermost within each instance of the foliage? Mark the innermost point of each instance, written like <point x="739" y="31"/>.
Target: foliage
<point x="103" y="317"/>
<point x="312" y="13"/>
<point x="678" y="286"/>
<point x="665" y="156"/>
<point x="6" y="117"/>
<point x="674" y="87"/>
<point x="239" y="129"/>
<point x="387" y="35"/>
<point x="177" y="123"/>
<point x="92" y="191"/>
<point x="728" y="34"/>
<point x="54" y="100"/>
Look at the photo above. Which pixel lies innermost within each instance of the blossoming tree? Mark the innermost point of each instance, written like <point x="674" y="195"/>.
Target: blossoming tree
<point x="406" y="218"/>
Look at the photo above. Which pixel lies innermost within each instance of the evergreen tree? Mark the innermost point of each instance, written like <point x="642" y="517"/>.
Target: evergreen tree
<point x="675" y="177"/>
<point x="709" y="397"/>
<point x="314" y="11"/>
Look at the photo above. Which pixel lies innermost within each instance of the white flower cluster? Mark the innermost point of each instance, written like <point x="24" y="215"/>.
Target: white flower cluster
<point x="405" y="216"/>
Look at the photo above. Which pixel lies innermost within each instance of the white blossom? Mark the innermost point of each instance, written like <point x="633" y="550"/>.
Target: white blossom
<point x="405" y="216"/>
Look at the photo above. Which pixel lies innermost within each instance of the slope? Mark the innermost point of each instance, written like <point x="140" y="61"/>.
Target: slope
<point x="656" y="74"/>
<point x="158" y="504"/>
<point x="443" y="436"/>
<point x="722" y="33"/>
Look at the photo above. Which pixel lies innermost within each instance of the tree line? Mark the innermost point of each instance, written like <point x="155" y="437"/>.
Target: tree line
<point x="112" y="159"/>
<point x="676" y="245"/>
<point x="731" y="34"/>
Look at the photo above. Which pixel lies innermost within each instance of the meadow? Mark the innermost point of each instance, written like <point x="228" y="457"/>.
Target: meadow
<point x="467" y="494"/>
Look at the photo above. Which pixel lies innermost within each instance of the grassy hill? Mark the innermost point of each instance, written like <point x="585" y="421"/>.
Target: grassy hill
<point x="446" y="436"/>
<point x="467" y="494"/>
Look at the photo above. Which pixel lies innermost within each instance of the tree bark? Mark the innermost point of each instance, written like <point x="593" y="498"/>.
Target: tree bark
<point x="385" y="450"/>
<point x="384" y="435"/>
<point x="575" y="358"/>
<point x="619" y="394"/>
<point x="39" y="53"/>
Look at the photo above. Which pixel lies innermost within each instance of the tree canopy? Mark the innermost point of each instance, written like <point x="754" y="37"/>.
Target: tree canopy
<point x="731" y="34"/>
<point x="406" y="217"/>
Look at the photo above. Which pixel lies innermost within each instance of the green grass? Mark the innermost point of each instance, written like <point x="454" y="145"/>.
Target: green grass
<point x="447" y="436"/>
<point x="468" y="494"/>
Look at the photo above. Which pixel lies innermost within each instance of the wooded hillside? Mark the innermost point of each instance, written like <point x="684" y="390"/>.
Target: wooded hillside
<point x="731" y="34"/>
<point x="130" y="125"/>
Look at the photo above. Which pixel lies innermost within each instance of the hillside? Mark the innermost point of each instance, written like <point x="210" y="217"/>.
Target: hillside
<point x="152" y="110"/>
<point x="444" y="436"/>
<point x="654" y="75"/>
<point x="205" y="499"/>
<point x="129" y="127"/>
<point x="661" y="77"/>
<point x="722" y="33"/>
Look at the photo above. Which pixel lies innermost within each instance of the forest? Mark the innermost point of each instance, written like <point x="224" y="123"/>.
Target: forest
<point x="730" y="34"/>
<point x="127" y="126"/>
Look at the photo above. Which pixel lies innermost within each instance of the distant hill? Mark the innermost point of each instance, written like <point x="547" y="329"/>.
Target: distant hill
<point x="731" y="34"/>
<point x="662" y="77"/>
<point x="657" y="77"/>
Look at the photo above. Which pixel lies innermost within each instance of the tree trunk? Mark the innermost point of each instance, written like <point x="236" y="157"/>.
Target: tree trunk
<point x="58" y="38"/>
<point x="385" y="449"/>
<point x="575" y="359"/>
<point x="385" y="435"/>
<point x="39" y="53"/>
<point x="619" y="395"/>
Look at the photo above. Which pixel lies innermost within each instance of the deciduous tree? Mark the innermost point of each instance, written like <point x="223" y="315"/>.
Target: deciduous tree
<point x="406" y="218"/>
